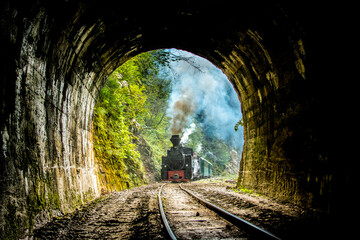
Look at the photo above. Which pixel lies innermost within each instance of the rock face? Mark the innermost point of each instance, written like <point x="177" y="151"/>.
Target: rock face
<point x="56" y="56"/>
<point x="233" y="165"/>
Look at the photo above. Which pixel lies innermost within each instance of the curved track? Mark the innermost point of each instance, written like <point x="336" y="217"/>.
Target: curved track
<point x="163" y="216"/>
<point x="189" y="219"/>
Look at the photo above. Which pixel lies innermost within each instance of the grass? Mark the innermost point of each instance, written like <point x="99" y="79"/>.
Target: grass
<point x="243" y="190"/>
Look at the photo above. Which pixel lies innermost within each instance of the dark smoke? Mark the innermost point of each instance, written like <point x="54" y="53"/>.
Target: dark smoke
<point x="182" y="109"/>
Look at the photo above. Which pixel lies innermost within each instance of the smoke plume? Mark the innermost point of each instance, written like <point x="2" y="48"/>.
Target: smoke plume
<point x="202" y="91"/>
<point x="182" y="109"/>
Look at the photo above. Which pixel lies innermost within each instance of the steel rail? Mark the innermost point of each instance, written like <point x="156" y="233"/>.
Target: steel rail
<point x="163" y="216"/>
<point x="237" y="221"/>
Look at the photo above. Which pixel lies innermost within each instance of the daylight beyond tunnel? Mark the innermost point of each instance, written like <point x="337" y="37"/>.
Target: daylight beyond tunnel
<point x="57" y="55"/>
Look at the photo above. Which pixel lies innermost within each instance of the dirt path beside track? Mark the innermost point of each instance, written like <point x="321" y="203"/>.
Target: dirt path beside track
<point x="129" y="214"/>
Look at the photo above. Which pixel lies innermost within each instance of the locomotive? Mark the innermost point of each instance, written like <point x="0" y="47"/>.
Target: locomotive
<point x="182" y="164"/>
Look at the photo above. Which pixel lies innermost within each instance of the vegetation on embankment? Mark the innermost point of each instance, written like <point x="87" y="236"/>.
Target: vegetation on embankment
<point x="130" y="119"/>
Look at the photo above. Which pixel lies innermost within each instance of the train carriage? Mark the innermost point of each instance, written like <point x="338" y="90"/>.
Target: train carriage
<point x="206" y="168"/>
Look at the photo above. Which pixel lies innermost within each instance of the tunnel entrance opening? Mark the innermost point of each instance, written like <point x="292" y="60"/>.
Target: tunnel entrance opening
<point x="154" y="95"/>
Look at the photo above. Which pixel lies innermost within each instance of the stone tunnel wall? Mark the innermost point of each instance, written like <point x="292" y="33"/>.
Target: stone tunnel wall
<point x="47" y="161"/>
<point x="56" y="57"/>
<point x="277" y="106"/>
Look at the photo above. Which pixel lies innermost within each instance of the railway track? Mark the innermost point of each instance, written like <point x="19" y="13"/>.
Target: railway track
<point x="187" y="216"/>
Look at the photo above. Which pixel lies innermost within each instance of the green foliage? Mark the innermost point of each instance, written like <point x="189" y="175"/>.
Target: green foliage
<point x="242" y="189"/>
<point x="133" y="99"/>
<point x="239" y="123"/>
<point x="155" y="123"/>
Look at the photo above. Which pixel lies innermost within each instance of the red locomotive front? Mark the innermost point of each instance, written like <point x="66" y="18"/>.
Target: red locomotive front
<point x="176" y="176"/>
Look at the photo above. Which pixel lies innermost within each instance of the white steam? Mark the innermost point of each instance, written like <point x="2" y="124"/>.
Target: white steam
<point x="187" y="132"/>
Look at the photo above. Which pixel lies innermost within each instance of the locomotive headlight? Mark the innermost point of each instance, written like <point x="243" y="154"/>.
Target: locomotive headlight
<point x="186" y="165"/>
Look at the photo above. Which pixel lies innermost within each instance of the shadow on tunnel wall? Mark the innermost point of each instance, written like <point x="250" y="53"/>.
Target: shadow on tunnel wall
<point x="55" y="56"/>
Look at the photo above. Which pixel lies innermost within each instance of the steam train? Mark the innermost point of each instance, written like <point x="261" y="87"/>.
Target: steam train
<point x="182" y="164"/>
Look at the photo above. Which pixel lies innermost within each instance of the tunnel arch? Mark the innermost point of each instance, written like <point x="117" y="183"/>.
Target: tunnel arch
<point x="57" y="56"/>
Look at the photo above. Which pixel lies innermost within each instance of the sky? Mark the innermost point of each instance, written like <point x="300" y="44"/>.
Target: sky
<point x="205" y="93"/>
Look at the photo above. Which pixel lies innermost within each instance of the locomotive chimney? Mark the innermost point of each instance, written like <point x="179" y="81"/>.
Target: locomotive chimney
<point x="175" y="139"/>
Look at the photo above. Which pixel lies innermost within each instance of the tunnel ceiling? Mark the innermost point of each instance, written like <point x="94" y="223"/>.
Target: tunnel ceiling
<point x="105" y="34"/>
<point x="56" y="56"/>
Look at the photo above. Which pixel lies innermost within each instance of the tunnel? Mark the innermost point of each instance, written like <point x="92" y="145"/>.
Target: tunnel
<point x="57" y="55"/>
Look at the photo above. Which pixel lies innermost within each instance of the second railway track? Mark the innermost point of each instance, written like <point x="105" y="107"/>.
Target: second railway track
<point x="188" y="217"/>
